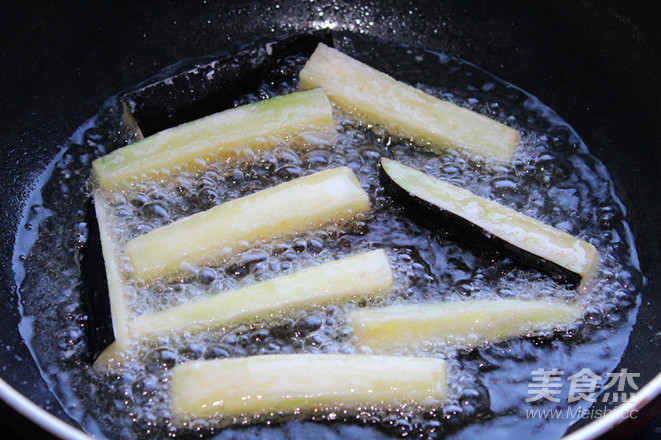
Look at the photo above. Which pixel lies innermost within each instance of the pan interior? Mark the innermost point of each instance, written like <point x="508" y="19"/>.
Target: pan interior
<point x="553" y="177"/>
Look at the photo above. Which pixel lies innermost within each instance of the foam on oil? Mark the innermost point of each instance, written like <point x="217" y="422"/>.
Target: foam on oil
<point x="552" y="177"/>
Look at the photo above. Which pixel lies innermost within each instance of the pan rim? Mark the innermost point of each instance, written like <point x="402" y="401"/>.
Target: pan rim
<point x="620" y="414"/>
<point x="39" y="416"/>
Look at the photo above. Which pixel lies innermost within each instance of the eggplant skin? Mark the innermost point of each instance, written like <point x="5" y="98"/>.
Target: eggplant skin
<point x="436" y="218"/>
<point x="212" y="87"/>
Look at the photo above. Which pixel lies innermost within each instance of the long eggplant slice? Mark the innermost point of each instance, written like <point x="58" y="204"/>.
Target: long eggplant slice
<point x="467" y="323"/>
<point x="295" y="383"/>
<point x="404" y="110"/>
<point x="320" y="198"/>
<point x="95" y="296"/>
<point x="212" y="87"/>
<point x="488" y="224"/>
<point x="116" y="288"/>
<point x="352" y="277"/>
<point x="232" y="132"/>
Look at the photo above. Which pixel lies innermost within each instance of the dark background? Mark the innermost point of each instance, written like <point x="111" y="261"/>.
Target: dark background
<point x="597" y="63"/>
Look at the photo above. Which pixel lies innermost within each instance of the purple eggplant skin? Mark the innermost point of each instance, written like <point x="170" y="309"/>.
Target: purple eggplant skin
<point x="214" y="86"/>
<point x="453" y="226"/>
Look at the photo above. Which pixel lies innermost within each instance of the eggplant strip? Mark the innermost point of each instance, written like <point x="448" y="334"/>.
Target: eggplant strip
<point x="303" y="383"/>
<point x="333" y="195"/>
<point x="405" y="328"/>
<point x="488" y="224"/>
<point x="402" y="109"/>
<point x="348" y="278"/>
<point x="232" y="132"/>
<point x="116" y="288"/>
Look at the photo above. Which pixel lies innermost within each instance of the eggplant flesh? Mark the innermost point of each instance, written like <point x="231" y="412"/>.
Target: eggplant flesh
<point x="472" y="322"/>
<point x="233" y="132"/>
<point x="214" y="86"/>
<point x="362" y="275"/>
<point x="280" y="383"/>
<point x="333" y="195"/>
<point x="403" y="110"/>
<point x="532" y="243"/>
<point x="116" y="287"/>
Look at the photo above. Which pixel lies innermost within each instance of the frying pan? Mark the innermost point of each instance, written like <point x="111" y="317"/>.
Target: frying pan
<point x="595" y="62"/>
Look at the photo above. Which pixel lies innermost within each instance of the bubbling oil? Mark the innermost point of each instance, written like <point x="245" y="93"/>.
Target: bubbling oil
<point x="552" y="177"/>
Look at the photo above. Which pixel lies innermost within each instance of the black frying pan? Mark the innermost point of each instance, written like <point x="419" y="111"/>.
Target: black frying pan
<point x="596" y="63"/>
